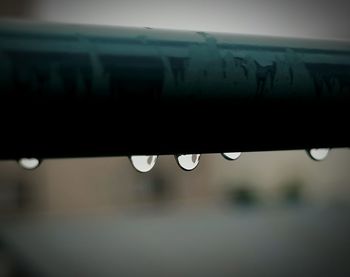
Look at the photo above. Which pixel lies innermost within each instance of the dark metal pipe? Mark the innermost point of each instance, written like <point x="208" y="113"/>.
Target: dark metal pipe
<point x="77" y="91"/>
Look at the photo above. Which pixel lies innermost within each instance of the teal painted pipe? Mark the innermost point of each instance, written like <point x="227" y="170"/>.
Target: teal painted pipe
<point x="75" y="90"/>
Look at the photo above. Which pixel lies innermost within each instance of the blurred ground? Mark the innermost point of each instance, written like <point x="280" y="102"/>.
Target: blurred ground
<point x="213" y="242"/>
<point x="270" y="213"/>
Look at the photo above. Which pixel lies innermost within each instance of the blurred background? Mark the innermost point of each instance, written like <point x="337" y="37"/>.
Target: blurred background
<point x="268" y="213"/>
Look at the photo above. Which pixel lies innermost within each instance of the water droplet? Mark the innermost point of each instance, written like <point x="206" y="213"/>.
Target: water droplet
<point x="231" y="155"/>
<point x="143" y="163"/>
<point x="188" y="162"/>
<point x="29" y="163"/>
<point x="318" y="154"/>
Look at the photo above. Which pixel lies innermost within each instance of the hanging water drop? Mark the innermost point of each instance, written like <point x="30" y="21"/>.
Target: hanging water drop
<point x="143" y="163"/>
<point x="231" y="155"/>
<point x="318" y="154"/>
<point x="29" y="163"/>
<point x="188" y="162"/>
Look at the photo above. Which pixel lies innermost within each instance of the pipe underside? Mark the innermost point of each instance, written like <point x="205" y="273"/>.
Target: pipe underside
<point x="86" y="91"/>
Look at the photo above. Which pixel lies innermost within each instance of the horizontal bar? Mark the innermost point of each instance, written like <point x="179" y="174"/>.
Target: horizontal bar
<point x="81" y="91"/>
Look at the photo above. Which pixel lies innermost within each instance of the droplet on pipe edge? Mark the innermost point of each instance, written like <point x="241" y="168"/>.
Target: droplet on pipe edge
<point x="143" y="163"/>
<point x="29" y="163"/>
<point x="188" y="162"/>
<point x="318" y="154"/>
<point x="231" y="155"/>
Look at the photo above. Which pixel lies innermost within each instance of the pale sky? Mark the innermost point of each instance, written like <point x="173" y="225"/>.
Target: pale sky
<point x="298" y="18"/>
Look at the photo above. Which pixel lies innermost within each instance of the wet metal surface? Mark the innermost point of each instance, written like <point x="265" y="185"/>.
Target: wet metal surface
<point x="92" y="78"/>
